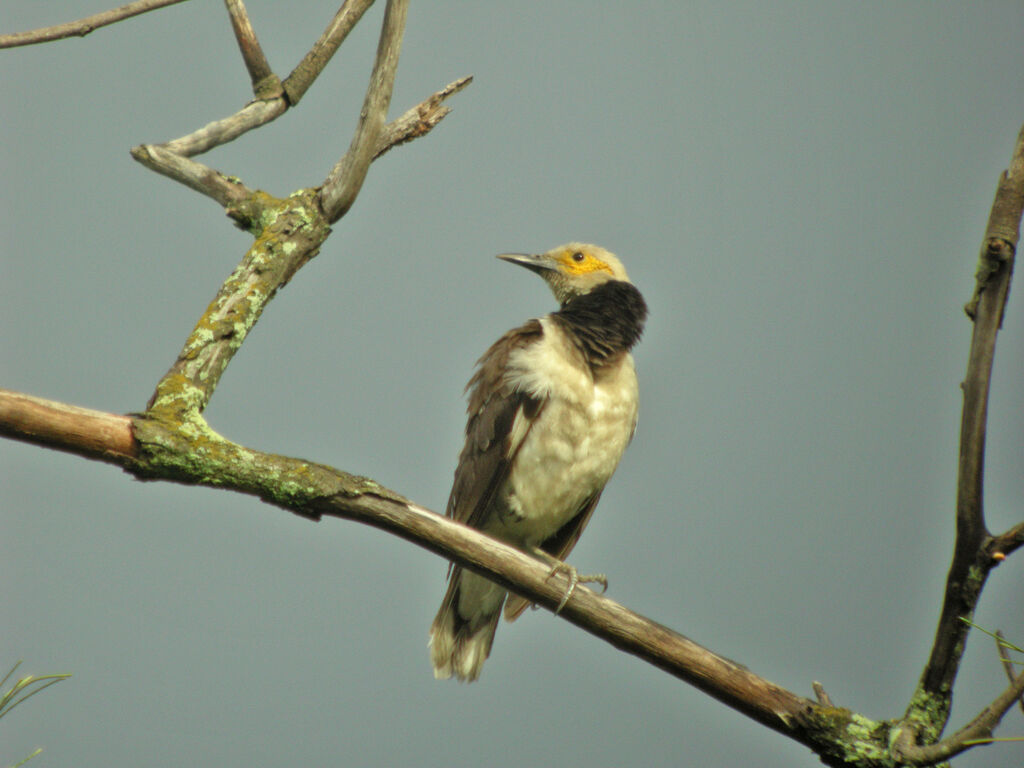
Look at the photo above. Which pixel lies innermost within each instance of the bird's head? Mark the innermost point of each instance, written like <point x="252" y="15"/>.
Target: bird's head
<point x="573" y="269"/>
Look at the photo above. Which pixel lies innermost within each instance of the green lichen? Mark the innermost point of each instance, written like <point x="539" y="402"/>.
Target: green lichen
<point x="177" y="442"/>
<point x="927" y="713"/>
<point x="843" y="737"/>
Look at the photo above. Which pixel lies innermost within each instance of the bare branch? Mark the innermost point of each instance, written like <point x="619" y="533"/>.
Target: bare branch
<point x="226" y="191"/>
<point x="273" y="98"/>
<point x="419" y="120"/>
<point x="252" y="115"/>
<point x="346" y="178"/>
<point x="313" y="63"/>
<point x="1004" y="657"/>
<point x="93" y="434"/>
<point x="264" y="82"/>
<point x="82" y="27"/>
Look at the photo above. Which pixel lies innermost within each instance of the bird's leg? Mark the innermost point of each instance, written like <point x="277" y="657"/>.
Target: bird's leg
<point x="574" y="576"/>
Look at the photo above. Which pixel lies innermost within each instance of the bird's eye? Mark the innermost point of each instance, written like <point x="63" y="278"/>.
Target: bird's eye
<point x="577" y="257"/>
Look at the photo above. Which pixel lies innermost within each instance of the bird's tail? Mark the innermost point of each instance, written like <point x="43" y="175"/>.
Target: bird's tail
<point x="463" y="630"/>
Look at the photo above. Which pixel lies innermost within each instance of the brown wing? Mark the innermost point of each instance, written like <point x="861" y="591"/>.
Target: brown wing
<point x="559" y="545"/>
<point x="493" y="408"/>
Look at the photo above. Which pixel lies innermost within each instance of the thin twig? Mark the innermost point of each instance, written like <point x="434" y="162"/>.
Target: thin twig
<point x="415" y="122"/>
<point x="1004" y="657"/>
<point x="226" y="191"/>
<point x="313" y="63"/>
<point x="821" y="694"/>
<point x="252" y="53"/>
<point x="252" y="115"/>
<point x="82" y="27"/>
<point x="346" y="178"/>
<point x="1009" y="542"/>
<point x="272" y="102"/>
<point x="419" y="120"/>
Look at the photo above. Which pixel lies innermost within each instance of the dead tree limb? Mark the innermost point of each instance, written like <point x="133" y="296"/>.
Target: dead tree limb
<point x="83" y="27"/>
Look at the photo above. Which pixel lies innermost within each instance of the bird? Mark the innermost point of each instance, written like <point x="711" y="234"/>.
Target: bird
<point x="552" y="406"/>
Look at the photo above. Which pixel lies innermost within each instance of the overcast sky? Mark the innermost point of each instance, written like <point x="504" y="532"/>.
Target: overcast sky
<point x="798" y="189"/>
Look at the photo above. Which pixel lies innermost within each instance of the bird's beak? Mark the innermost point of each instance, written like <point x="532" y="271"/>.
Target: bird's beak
<point x="536" y="263"/>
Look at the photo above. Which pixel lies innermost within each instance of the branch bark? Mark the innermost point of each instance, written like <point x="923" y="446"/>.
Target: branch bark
<point x="1007" y="662"/>
<point x="346" y="178"/>
<point x="83" y="27"/>
<point x="313" y="63"/>
<point x="229" y="191"/>
<point x="264" y="82"/>
<point x="975" y="552"/>
<point x="273" y="100"/>
<point x="88" y="433"/>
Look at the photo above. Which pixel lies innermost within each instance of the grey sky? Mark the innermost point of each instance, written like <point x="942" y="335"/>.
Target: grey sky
<point x="799" y="189"/>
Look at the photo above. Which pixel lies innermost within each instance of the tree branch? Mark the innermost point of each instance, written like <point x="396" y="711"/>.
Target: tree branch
<point x="264" y="82"/>
<point x="415" y="122"/>
<point x="172" y="441"/>
<point x="979" y="730"/>
<point x="1007" y="662"/>
<point x="224" y="189"/>
<point x="82" y="27"/>
<point x="346" y="178"/>
<point x="313" y="63"/>
<point x="88" y="433"/>
<point x="190" y="452"/>
<point x="1007" y="543"/>
<point x="271" y="102"/>
<point x="973" y="555"/>
<point x="252" y="115"/>
<point x="419" y="120"/>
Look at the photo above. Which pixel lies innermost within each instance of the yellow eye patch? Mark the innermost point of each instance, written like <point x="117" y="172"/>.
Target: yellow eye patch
<point x="579" y="262"/>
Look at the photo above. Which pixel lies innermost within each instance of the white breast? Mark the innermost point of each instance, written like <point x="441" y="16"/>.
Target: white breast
<point x="575" y="443"/>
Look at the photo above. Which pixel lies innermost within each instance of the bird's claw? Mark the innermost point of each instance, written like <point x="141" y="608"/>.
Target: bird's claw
<point x="574" y="576"/>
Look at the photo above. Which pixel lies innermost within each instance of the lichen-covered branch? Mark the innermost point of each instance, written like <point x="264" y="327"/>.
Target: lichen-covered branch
<point x="289" y="233"/>
<point x="979" y="730"/>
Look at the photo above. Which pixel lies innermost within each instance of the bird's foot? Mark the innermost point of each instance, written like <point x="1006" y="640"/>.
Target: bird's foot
<point x="574" y="576"/>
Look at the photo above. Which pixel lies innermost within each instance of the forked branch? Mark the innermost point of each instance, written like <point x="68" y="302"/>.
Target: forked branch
<point x="346" y="178"/>
<point x="976" y="552"/>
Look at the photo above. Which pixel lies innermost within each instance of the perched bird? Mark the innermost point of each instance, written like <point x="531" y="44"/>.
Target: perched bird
<point x="552" y="407"/>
